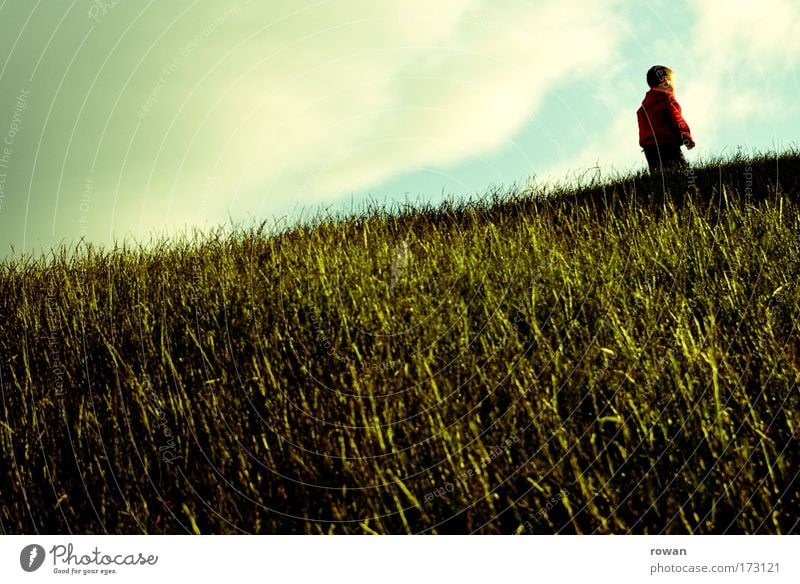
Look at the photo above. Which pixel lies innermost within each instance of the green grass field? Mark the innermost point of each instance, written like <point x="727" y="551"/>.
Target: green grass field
<point x="617" y="357"/>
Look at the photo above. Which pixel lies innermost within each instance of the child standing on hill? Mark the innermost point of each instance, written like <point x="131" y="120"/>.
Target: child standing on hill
<point x="662" y="129"/>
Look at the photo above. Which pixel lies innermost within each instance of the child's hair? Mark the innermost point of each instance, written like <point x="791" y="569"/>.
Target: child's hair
<point x="656" y="75"/>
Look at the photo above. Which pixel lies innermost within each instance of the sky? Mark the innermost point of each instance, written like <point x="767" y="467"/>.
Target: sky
<point x="127" y="121"/>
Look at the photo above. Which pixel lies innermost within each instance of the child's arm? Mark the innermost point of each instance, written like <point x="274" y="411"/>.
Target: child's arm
<point x="680" y="124"/>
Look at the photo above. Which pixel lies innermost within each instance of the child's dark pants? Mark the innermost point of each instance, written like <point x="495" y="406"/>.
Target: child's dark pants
<point x="664" y="156"/>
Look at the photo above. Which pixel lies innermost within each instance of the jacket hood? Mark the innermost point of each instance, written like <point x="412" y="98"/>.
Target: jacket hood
<point x="653" y="96"/>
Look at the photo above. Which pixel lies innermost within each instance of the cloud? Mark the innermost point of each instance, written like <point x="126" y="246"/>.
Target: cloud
<point x="734" y="38"/>
<point x="280" y="105"/>
<point x="162" y="116"/>
<point x="741" y="55"/>
<point x="472" y="94"/>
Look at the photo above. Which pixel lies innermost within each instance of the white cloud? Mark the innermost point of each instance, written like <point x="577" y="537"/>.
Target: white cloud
<point x="736" y="38"/>
<point x="740" y="53"/>
<point x="342" y="97"/>
<point x="265" y="105"/>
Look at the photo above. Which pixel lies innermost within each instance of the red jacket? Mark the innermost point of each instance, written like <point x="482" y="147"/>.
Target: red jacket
<point x="660" y="120"/>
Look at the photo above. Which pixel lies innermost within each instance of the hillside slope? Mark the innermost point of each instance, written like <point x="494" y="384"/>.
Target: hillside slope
<point x="615" y="358"/>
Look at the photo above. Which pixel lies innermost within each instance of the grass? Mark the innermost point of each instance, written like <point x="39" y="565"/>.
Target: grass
<point x="617" y="357"/>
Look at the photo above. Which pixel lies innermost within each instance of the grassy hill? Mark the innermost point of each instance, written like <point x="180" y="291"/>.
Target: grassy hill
<point x="619" y="357"/>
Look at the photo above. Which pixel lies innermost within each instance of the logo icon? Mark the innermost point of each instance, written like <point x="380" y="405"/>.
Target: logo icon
<point x="31" y="557"/>
<point x="402" y="254"/>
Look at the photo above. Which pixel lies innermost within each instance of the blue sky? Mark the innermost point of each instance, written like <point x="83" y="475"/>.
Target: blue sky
<point x="128" y="119"/>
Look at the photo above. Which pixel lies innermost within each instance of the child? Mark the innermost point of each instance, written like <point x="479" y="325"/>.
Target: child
<point x="662" y="128"/>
